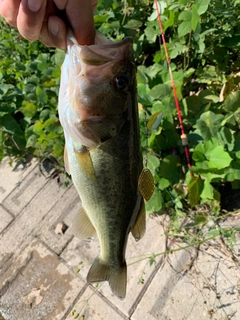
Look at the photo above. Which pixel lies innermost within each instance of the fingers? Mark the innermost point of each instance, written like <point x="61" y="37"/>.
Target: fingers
<point x="53" y="33"/>
<point x="80" y="16"/>
<point x="81" y="20"/>
<point x="9" y="10"/>
<point x="38" y="19"/>
<point x="30" y="18"/>
<point x="94" y="4"/>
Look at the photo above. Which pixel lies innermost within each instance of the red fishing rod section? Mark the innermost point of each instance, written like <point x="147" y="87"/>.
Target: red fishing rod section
<point x="183" y="134"/>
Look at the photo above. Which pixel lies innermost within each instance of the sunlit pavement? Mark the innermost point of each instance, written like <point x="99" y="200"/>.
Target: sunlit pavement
<point x="43" y="267"/>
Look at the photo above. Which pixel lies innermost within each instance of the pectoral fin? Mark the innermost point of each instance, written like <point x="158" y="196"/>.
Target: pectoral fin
<point x="85" y="162"/>
<point x="140" y="225"/>
<point x="66" y="162"/>
<point x="82" y="227"/>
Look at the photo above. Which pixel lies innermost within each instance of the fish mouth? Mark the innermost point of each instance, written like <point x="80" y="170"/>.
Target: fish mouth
<point x="102" y="52"/>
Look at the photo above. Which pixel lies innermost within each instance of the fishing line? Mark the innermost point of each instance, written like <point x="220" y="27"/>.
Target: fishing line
<point x="146" y="183"/>
<point x="146" y="137"/>
<point x="183" y="134"/>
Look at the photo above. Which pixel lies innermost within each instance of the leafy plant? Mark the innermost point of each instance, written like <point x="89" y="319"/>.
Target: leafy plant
<point x="29" y="76"/>
<point x="203" y="40"/>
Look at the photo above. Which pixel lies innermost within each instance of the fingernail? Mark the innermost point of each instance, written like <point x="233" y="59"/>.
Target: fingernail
<point x="35" y="5"/>
<point x="54" y="28"/>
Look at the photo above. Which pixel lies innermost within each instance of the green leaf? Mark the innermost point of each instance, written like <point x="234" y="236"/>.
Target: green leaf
<point x="48" y="123"/>
<point x="185" y="15"/>
<point x="170" y="168"/>
<point x="42" y="65"/>
<point x="28" y="109"/>
<point x="41" y="95"/>
<point x="170" y="20"/>
<point x="207" y="96"/>
<point x="232" y="102"/>
<point x="163" y="183"/>
<point x="184" y="28"/>
<point x="154" y="121"/>
<point x="155" y="203"/>
<point x="198" y="156"/>
<point x="141" y="75"/>
<point x="195" y="17"/>
<point x="104" y="4"/>
<point x="238" y="154"/>
<point x="208" y="75"/>
<point x="207" y="192"/>
<point x="59" y="56"/>
<point x="219" y="158"/>
<point x="195" y="188"/>
<point x="5" y="88"/>
<point x="32" y="140"/>
<point x="160" y="90"/>
<point x="233" y="174"/>
<point x="143" y="94"/>
<point x="226" y="138"/>
<point x="38" y="127"/>
<point x="209" y="124"/>
<point x="212" y="233"/>
<point x="151" y="34"/>
<point x="202" y="6"/>
<point x="133" y="24"/>
<point x="153" y="163"/>
<point x="200" y="219"/>
<point x="99" y="19"/>
<point x="5" y="107"/>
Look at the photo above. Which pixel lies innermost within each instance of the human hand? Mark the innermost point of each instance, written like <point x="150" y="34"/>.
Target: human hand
<point x="43" y="19"/>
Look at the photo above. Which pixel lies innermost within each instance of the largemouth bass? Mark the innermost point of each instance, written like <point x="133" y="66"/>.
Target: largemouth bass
<point x="99" y="113"/>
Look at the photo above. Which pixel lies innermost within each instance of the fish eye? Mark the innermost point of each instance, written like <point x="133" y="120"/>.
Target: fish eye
<point x="121" y="82"/>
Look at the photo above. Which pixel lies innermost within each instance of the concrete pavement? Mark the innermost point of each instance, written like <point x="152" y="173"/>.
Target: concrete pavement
<point x="43" y="267"/>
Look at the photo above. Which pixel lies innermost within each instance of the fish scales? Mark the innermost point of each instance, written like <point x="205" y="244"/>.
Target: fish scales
<point x="99" y="113"/>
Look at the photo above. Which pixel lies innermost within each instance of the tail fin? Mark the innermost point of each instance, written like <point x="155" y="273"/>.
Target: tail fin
<point x="117" y="278"/>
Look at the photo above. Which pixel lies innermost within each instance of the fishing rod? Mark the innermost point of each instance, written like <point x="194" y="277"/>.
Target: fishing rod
<point x="183" y="134"/>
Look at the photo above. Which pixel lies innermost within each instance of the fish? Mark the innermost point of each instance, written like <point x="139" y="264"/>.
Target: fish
<point x="98" y="111"/>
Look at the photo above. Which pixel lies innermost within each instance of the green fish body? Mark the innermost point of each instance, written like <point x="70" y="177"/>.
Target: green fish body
<point x="99" y="113"/>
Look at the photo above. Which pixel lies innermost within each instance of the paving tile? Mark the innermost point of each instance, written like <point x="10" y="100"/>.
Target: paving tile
<point x="39" y="286"/>
<point x="94" y="307"/>
<point x="139" y="273"/>
<point x="209" y="290"/>
<point x="5" y="218"/>
<point x="25" y="191"/>
<point x="21" y="230"/>
<point x="12" y="175"/>
<point x="63" y="211"/>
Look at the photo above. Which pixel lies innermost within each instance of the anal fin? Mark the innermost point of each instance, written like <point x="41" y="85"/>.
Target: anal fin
<point x="82" y="227"/>
<point x="139" y="228"/>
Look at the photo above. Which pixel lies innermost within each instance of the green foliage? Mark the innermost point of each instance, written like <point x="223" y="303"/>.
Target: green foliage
<point x="203" y="41"/>
<point x="29" y="82"/>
